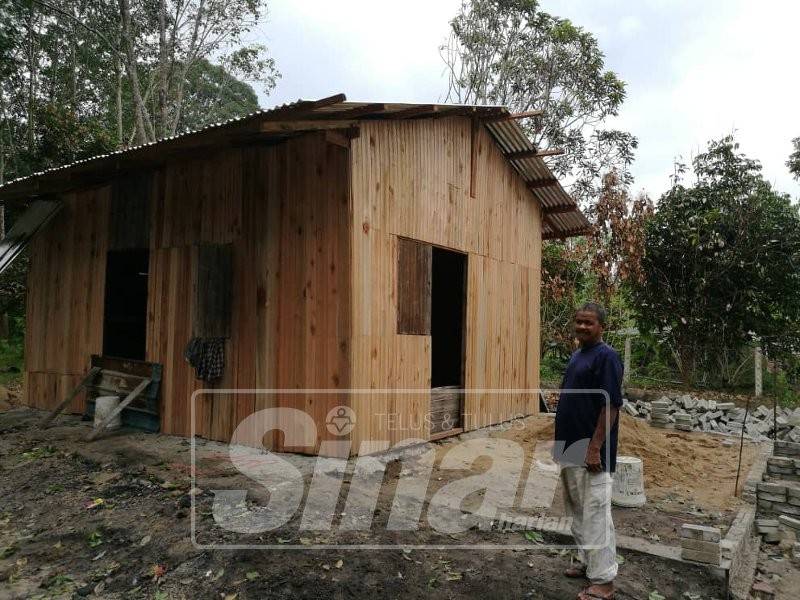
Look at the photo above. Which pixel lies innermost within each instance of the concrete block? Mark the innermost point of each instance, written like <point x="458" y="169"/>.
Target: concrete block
<point x="771" y="497"/>
<point x="700" y="532"/>
<point x="772" y="537"/>
<point x="772" y="488"/>
<point x="711" y="558"/>
<point x="699" y="545"/>
<point x="792" y="491"/>
<point x="725" y="405"/>
<point x="767" y="522"/>
<point x="786" y="508"/>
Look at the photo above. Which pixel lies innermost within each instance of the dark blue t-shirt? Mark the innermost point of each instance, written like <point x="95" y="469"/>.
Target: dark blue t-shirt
<point x="597" y="367"/>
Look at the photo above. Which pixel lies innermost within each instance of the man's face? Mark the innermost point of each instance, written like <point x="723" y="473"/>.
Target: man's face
<point x="588" y="329"/>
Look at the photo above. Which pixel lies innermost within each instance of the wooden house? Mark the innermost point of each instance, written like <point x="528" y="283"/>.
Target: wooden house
<point x="329" y="244"/>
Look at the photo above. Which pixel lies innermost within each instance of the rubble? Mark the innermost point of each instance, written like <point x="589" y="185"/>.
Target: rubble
<point x="688" y="413"/>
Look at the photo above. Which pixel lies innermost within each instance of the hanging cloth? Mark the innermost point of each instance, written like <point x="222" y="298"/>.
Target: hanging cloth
<point x="207" y="356"/>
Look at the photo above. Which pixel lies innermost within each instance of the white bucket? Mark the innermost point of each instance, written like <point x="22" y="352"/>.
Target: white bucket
<point x="104" y="406"/>
<point x="628" y="487"/>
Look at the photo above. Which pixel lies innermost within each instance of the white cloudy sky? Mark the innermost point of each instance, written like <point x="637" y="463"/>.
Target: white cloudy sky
<point x="695" y="69"/>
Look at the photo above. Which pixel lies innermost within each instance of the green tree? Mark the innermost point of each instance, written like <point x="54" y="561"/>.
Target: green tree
<point x="722" y="266"/>
<point x="794" y="159"/>
<point x="511" y="53"/>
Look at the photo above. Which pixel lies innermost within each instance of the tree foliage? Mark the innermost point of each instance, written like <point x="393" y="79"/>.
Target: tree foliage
<point x="617" y="244"/>
<point x="794" y="159"/>
<point x="511" y="53"/>
<point x="722" y="266"/>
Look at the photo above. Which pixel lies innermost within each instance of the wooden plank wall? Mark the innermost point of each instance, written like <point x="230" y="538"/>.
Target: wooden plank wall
<point x="284" y="209"/>
<point x="66" y="294"/>
<point x="412" y="179"/>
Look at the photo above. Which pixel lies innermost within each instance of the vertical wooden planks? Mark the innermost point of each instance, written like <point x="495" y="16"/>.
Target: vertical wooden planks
<point x="446" y="183"/>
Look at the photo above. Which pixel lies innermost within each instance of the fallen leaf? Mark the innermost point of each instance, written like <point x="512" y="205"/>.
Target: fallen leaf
<point x="158" y="571"/>
<point x="339" y="564"/>
<point x="251" y="575"/>
<point x="326" y="567"/>
<point x="231" y="596"/>
<point x="620" y="559"/>
<point x="145" y="540"/>
<point x="95" y="503"/>
<point x="654" y="595"/>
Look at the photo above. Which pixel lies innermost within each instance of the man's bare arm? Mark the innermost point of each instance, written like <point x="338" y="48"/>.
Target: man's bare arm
<point x="608" y="416"/>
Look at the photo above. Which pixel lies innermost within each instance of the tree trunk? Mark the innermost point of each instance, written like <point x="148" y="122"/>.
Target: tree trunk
<point x="32" y="72"/>
<point x="3" y="317"/>
<point x="144" y="127"/>
<point x="187" y="63"/>
<point x="163" y="126"/>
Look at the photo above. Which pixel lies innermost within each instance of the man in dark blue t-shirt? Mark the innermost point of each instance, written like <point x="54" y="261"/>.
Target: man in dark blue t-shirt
<point x="586" y="447"/>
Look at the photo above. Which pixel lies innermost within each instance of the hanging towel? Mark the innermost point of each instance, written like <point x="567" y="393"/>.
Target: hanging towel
<point x="207" y="356"/>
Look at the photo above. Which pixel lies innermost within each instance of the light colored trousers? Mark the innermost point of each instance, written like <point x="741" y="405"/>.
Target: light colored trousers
<point x="587" y="498"/>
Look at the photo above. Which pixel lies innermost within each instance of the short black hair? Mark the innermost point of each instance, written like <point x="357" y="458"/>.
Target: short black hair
<point x="596" y="309"/>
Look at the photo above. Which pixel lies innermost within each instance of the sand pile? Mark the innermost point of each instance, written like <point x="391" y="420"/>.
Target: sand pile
<point x="693" y="466"/>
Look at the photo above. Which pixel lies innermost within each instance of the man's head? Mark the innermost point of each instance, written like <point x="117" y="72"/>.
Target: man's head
<point x="590" y="320"/>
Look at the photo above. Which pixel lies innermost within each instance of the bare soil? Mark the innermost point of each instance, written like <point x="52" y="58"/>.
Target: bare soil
<point x="111" y="519"/>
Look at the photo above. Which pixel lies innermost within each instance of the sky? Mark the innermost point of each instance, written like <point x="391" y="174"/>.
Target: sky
<point x="695" y="70"/>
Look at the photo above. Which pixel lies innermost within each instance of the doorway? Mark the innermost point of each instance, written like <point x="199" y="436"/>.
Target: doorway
<point x="125" y="317"/>
<point x="448" y="308"/>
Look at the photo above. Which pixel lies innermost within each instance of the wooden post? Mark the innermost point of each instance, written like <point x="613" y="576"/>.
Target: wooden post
<point x="757" y="371"/>
<point x="627" y="372"/>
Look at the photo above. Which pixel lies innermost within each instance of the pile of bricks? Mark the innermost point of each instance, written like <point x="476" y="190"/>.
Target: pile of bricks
<point x="683" y="421"/>
<point x="784" y="467"/>
<point x="790" y="527"/>
<point x="701" y="544"/>
<point x="688" y="413"/>
<point x="769" y="530"/>
<point x="659" y="413"/>
<point x="778" y="498"/>
<point x="788" y="449"/>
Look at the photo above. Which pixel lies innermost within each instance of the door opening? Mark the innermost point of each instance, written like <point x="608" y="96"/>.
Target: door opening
<point x="125" y="318"/>
<point x="448" y="306"/>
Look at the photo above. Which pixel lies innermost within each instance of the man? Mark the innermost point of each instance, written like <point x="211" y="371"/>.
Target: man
<point x="586" y="447"/>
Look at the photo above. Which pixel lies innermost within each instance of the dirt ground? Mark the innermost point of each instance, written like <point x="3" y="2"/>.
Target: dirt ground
<point x="111" y="519"/>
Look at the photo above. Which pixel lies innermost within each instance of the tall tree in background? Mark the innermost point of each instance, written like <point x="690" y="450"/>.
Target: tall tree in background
<point x="722" y="267"/>
<point x="84" y="77"/>
<point x="508" y="52"/>
<point x="794" y="159"/>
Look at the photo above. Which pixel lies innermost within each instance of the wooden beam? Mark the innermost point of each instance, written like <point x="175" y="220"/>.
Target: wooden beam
<point x="310" y="125"/>
<point x="534" y="153"/>
<point x="526" y="114"/>
<point x="550" y="210"/>
<point x="63" y="404"/>
<point x="122" y="405"/>
<point x="414" y="111"/>
<point x="536" y="185"/>
<point x="302" y="107"/>
<point x="367" y="110"/>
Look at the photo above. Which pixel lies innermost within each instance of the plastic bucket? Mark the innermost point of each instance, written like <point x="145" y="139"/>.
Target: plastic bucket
<point x="628" y="489"/>
<point x="104" y="406"/>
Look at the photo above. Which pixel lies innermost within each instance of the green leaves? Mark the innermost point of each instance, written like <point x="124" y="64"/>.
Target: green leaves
<point x="720" y="266"/>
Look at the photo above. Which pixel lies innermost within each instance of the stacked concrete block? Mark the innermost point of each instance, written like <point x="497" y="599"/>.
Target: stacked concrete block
<point x="759" y="424"/>
<point x="789" y="530"/>
<point x="683" y="421"/>
<point x="779" y="498"/>
<point x="769" y="530"/>
<point x="784" y="467"/>
<point x="701" y="544"/>
<point x="787" y="448"/>
<point x="660" y="413"/>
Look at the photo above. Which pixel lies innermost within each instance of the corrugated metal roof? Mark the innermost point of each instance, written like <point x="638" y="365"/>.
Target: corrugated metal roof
<point x="562" y="217"/>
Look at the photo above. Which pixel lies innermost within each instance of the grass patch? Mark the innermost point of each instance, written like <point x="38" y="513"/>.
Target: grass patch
<point x="12" y="360"/>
